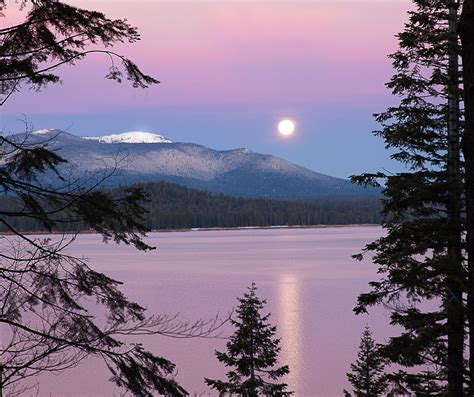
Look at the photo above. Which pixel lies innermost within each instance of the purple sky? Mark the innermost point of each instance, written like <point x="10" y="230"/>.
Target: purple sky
<point x="230" y="70"/>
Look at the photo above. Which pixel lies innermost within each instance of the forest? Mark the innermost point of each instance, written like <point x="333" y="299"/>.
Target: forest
<point x="170" y="207"/>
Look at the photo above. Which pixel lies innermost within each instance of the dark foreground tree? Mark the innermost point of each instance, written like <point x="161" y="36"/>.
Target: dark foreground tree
<point x="55" y="310"/>
<point x="466" y="32"/>
<point x="367" y="373"/>
<point x="252" y="353"/>
<point x="53" y="34"/>
<point x="420" y="258"/>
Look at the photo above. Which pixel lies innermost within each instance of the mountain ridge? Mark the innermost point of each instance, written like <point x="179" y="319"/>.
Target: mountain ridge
<point x="238" y="172"/>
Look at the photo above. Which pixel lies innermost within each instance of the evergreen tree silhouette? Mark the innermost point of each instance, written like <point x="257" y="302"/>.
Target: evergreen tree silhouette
<point x="367" y="373"/>
<point x="252" y="353"/>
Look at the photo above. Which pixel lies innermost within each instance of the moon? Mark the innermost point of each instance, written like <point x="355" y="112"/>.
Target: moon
<point x="286" y="127"/>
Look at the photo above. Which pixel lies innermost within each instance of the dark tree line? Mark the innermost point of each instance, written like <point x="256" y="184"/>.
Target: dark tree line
<point x="171" y="206"/>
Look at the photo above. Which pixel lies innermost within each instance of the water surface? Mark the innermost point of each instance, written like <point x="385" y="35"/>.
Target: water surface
<point x="306" y="275"/>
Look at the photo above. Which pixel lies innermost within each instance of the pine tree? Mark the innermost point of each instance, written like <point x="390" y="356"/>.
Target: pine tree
<point x="252" y="353"/>
<point x="420" y="257"/>
<point x="367" y="374"/>
<point x="53" y="34"/>
<point x="466" y="32"/>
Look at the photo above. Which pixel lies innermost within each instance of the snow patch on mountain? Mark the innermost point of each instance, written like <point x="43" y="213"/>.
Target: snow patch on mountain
<point x="131" y="137"/>
<point x="44" y="131"/>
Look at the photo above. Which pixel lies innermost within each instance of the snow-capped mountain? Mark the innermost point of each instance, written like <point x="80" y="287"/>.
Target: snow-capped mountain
<point x="130" y="137"/>
<point x="44" y="131"/>
<point x="146" y="157"/>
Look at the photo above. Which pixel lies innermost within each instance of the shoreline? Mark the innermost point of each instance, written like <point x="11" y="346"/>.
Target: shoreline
<point x="216" y="229"/>
<point x="210" y="229"/>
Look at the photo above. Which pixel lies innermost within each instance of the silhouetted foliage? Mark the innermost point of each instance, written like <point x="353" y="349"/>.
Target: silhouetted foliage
<point x="466" y="32"/>
<point x="252" y="354"/>
<point x="49" y="299"/>
<point x="367" y="373"/>
<point x="45" y="315"/>
<point x="420" y="258"/>
<point x="54" y="33"/>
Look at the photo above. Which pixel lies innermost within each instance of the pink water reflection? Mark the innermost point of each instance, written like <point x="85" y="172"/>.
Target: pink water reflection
<point x="306" y="275"/>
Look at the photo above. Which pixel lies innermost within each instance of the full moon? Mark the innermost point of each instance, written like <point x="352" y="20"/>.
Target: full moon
<point x="286" y="127"/>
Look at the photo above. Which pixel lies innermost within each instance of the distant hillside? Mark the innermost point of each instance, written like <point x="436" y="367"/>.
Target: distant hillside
<point x="143" y="157"/>
<point x="176" y="207"/>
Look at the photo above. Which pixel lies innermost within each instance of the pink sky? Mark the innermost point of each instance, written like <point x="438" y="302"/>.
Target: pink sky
<point x="239" y="52"/>
<point x="230" y="70"/>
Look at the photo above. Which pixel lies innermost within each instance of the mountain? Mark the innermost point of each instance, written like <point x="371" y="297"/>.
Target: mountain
<point x="145" y="157"/>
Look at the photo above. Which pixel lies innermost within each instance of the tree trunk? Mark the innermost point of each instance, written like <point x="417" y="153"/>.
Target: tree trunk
<point x="253" y="392"/>
<point x="367" y="375"/>
<point x="454" y="280"/>
<point x="466" y="32"/>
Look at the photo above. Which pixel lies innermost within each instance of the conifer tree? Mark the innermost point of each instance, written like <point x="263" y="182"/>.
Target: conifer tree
<point x="420" y="257"/>
<point x="54" y="34"/>
<point x="466" y="33"/>
<point x="367" y="374"/>
<point x="252" y="353"/>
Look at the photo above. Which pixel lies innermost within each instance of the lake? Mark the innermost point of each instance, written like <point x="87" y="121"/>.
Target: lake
<point x="307" y="276"/>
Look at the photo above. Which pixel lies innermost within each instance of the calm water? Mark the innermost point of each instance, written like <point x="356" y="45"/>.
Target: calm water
<point x="306" y="275"/>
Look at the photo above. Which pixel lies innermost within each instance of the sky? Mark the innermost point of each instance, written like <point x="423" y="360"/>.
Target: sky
<point x="230" y="70"/>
